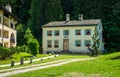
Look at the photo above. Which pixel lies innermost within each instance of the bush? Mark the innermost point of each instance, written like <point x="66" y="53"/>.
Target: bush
<point x="33" y="45"/>
<point x="6" y="52"/>
<point x="22" y="48"/>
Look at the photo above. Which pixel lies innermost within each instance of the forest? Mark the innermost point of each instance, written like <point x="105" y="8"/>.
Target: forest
<point x="35" y="13"/>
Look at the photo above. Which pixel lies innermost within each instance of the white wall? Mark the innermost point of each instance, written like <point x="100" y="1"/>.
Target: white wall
<point x="72" y="37"/>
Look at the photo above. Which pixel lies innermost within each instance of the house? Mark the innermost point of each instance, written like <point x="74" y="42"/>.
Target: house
<point x="71" y="35"/>
<point x="7" y="26"/>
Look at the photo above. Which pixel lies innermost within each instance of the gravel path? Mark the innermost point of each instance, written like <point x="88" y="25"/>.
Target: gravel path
<point x="49" y="64"/>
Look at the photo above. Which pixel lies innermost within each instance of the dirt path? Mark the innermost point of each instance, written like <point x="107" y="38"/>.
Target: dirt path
<point x="24" y="69"/>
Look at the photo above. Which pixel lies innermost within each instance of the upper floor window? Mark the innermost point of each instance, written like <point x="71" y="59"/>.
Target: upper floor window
<point x="56" y="43"/>
<point x="56" y="32"/>
<point x="87" y="43"/>
<point x="11" y="25"/>
<point x="66" y="32"/>
<point x="49" y="33"/>
<point x="49" y="43"/>
<point x="77" y="32"/>
<point x="87" y="31"/>
<point x="77" y="43"/>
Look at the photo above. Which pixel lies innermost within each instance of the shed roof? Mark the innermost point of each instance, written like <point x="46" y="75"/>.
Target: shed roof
<point x="91" y="22"/>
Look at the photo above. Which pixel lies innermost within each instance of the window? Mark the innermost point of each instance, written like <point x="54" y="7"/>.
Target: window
<point x="56" y="43"/>
<point x="77" y="43"/>
<point x="11" y="25"/>
<point x="77" y="32"/>
<point x="49" y="43"/>
<point x="49" y="33"/>
<point x="66" y="32"/>
<point x="87" y="43"/>
<point x="87" y="32"/>
<point x="56" y="32"/>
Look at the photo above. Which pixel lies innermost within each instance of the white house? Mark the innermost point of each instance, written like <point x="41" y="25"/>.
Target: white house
<point x="7" y="27"/>
<point x="71" y="35"/>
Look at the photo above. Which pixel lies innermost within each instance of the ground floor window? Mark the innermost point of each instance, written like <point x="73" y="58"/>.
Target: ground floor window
<point x="49" y="43"/>
<point x="87" y="43"/>
<point x="56" y="43"/>
<point x="77" y="43"/>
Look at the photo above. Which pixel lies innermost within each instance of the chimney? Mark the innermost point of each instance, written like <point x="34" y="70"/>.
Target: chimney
<point x="80" y="17"/>
<point x="8" y="7"/>
<point x="67" y="17"/>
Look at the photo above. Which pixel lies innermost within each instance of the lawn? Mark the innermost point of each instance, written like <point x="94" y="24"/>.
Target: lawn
<point x="17" y="57"/>
<point x="103" y="66"/>
<point x="66" y="56"/>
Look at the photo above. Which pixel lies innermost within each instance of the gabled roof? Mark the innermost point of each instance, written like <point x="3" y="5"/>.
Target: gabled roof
<point x="91" y="22"/>
<point x="6" y="11"/>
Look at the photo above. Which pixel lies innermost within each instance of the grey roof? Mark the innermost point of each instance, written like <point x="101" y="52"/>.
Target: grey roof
<point x="91" y="22"/>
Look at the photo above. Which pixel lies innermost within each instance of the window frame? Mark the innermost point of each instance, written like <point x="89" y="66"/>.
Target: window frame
<point x="49" y="33"/>
<point x="89" y="44"/>
<point x="55" y="33"/>
<point x="49" y="41"/>
<point x="78" y="32"/>
<point x="65" y="32"/>
<point x="56" y="43"/>
<point x="78" y="43"/>
<point x="86" y="32"/>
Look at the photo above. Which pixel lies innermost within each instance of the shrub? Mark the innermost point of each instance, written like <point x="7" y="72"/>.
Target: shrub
<point x="6" y="53"/>
<point x="33" y="45"/>
<point x="22" y="48"/>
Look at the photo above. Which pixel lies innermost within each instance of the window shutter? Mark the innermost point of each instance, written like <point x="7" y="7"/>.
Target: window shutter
<point x="84" y="32"/>
<point x="84" y="43"/>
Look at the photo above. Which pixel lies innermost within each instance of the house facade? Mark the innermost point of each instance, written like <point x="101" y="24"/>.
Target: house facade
<point x="7" y="27"/>
<point x="71" y="35"/>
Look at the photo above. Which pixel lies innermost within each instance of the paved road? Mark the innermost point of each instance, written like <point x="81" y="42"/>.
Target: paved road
<point x="42" y="66"/>
<point x="34" y="60"/>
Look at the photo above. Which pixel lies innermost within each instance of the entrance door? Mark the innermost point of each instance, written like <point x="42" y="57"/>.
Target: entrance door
<point x="66" y="44"/>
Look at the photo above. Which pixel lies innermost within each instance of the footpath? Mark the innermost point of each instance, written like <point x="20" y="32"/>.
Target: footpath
<point x="12" y="71"/>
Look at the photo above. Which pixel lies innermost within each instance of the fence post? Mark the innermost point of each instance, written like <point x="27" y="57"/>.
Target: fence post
<point x="12" y="63"/>
<point x="30" y="60"/>
<point x="21" y="61"/>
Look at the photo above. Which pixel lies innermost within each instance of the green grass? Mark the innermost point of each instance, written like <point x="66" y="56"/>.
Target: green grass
<point x="103" y="66"/>
<point x="17" y="57"/>
<point x="68" y="56"/>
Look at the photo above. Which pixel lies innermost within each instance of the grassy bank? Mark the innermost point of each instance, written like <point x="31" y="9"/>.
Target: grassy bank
<point x="103" y="66"/>
<point x="17" y="57"/>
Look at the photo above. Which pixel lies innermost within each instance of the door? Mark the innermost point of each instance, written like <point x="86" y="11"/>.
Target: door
<point x="65" y="44"/>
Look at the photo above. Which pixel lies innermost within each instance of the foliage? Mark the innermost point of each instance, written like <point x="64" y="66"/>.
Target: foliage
<point x="6" y="52"/>
<point x="35" y="13"/>
<point x="23" y="48"/>
<point x="32" y="43"/>
<point x="96" y="40"/>
<point x="21" y="28"/>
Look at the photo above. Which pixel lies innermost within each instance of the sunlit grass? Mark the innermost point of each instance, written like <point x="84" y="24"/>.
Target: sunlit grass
<point x="103" y="66"/>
